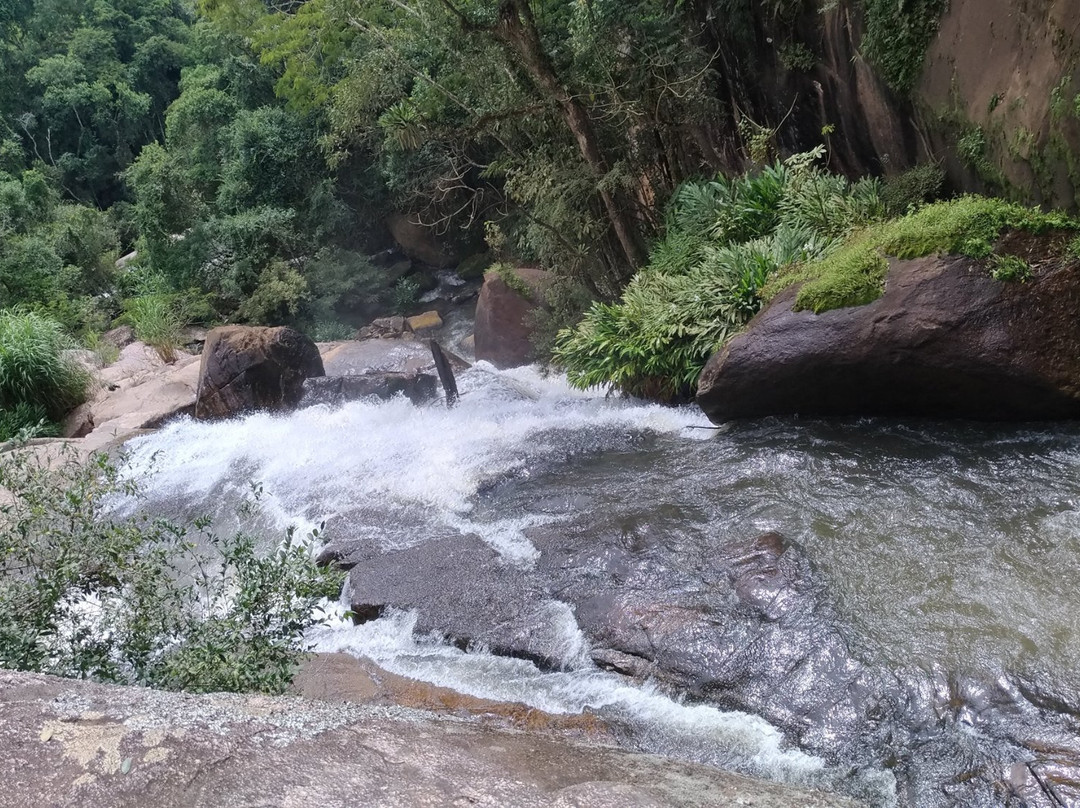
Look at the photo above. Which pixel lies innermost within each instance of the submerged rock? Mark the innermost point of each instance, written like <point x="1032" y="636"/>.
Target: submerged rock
<point x="336" y="390"/>
<point x="746" y="627"/>
<point x="945" y="340"/>
<point x="254" y="368"/>
<point x="405" y="354"/>
<point x="503" y="330"/>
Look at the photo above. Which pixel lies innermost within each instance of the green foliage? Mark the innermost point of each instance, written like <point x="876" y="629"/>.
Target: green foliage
<point x="89" y="594"/>
<point x="912" y="188"/>
<point x="1073" y="250"/>
<point x="86" y="87"/>
<point x="158" y="320"/>
<point x="897" y="36"/>
<point x="53" y="256"/>
<point x="1009" y="268"/>
<point x="35" y="368"/>
<point x="796" y="56"/>
<point x="512" y="280"/>
<point x="279" y="295"/>
<point x="851" y="276"/>
<point x="25" y="421"/>
<point x="725" y="238"/>
<point x="855" y="274"/>
<point x="405" y="294"/>
<point x="331" y="331"/>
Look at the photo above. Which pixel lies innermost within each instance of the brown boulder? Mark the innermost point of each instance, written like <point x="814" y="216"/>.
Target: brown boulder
<point x="504" y="329"/>
<point x="385" y="328"/>
<point x="945" y="340"/>
<point x="419" y="242"/>
<point x="254" y="368"/>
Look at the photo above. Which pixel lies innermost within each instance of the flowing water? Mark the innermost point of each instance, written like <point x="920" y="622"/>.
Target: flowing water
<point x="948" y="557"/>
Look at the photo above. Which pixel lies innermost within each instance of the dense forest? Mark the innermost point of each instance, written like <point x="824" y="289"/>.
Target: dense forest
<point x="236" y="162"/>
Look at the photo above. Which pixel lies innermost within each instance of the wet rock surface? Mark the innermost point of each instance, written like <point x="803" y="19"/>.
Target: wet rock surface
<point x="745" y="625"/>
<point x="403" y="354"/>
<point x="945" y="340"/>
<point x="246" y="368"/>
<point x="336" y="390"/>
<point x="75" y="744"/>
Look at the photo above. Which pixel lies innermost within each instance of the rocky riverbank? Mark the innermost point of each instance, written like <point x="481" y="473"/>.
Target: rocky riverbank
<point x="70" y="743"/>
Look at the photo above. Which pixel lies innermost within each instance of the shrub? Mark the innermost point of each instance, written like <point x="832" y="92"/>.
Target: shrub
<point x="35" y="368"/>
<point x="1009" y="268"/>
<point x="404" y="294"/>
<point x="89" y="594"/>
<point x="912" y="188"/>
<point x="897" y="36"/>
<point x="1073" y="250"/>
<point x="25" y="421"/>
<point x="725" y="238"/>
<point x="331" y="331"/>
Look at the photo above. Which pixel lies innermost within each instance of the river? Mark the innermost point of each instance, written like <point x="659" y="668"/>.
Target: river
<point x="916" y="644"/>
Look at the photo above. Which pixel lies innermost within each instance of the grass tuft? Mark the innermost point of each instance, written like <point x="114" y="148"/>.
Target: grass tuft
<point x="37" y="374"/>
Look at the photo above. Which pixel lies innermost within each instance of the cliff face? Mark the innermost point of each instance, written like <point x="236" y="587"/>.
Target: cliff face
<point x="998" y="103"/>
<point x="998" y="98"/>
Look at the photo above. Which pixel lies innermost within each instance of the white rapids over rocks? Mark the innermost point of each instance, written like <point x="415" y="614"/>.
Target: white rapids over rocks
<point x="401" y="475"/>
<point x="382" y="465"/>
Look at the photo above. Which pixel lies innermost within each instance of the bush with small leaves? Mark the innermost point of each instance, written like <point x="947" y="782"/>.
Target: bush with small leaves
<point x="88" y="593"/>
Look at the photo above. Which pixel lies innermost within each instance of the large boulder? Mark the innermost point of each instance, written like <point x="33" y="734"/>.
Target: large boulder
<point x="945" y="340"/>
<point x="420" y="242"/>
<point x="254" y="368"/>
<point x="504" y="327"/>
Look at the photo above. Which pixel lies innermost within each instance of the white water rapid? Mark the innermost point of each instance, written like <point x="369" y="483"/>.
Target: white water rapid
<point x="398" y="476"/>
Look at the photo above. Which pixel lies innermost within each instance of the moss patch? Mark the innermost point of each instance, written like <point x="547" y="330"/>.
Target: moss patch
<point x="854" y="274"/>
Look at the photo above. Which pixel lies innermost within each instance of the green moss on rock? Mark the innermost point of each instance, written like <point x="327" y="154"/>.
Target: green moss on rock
<point x="854" y="274"/>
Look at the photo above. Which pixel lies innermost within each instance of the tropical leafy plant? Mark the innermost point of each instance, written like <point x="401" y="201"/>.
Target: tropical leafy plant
<point x="725" y="239"/>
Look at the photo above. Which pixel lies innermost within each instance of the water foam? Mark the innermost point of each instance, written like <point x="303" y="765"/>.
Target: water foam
<point x="731" y="740"/>
<point x="393" y="472"/>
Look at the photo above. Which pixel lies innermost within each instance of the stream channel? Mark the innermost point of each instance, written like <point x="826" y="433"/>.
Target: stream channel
<point x="883" y="608"/>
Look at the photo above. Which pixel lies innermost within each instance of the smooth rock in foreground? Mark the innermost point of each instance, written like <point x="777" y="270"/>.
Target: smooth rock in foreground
<point x="248" y="368"/>
<point x="945" y="340"/>
<point x="69" y="743"/>
<point x="138" y="391"/>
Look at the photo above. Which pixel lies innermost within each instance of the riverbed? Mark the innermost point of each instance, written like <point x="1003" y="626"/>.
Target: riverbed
<point x="914" y="625"/>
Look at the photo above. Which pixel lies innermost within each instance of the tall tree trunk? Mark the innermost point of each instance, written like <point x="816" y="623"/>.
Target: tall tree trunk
<point x="516" y="29"/>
